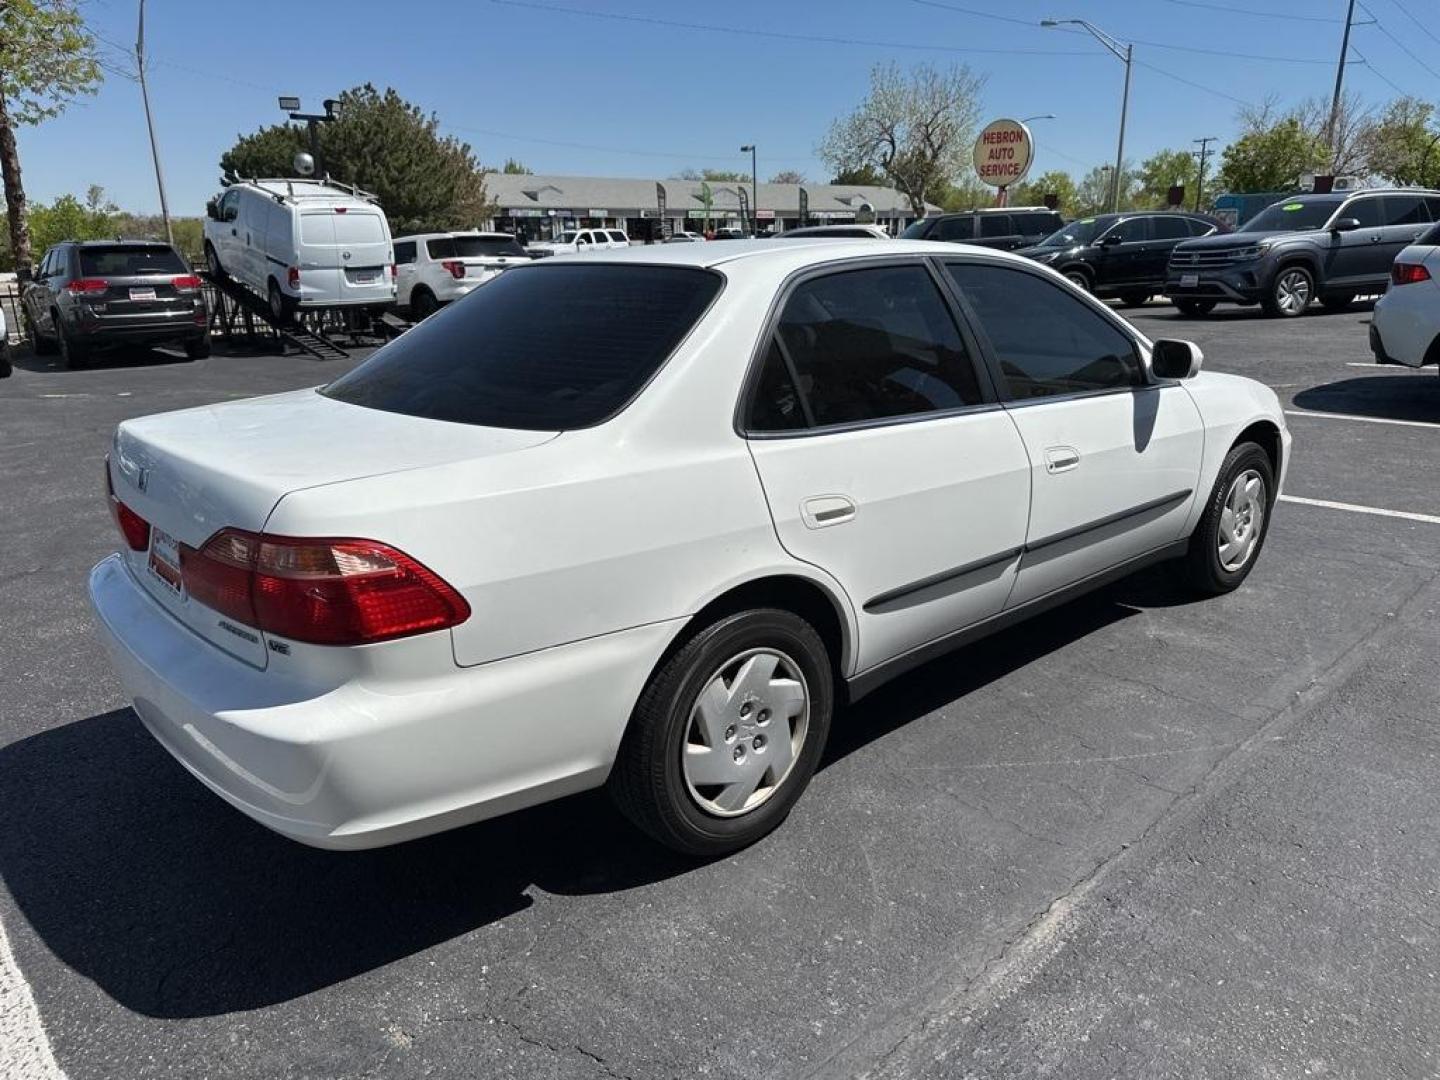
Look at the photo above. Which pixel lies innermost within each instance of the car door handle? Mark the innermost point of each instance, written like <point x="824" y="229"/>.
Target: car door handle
<point x="1060" y="459"/>
<point x="1376" y="238"/>
<point x="234" y="232"/>
<point x="822" y="511"/>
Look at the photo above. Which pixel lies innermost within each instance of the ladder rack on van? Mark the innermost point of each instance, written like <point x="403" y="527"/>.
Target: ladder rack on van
<point x="294" y="196"/>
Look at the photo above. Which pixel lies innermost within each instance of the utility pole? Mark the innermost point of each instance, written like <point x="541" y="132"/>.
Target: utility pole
<point x="1202" y="154"/>
<point x="150" y="123"/>
<point x="1124" y="52"/>
<point x="754" y="188"/>
<point x="1331" y="134"/>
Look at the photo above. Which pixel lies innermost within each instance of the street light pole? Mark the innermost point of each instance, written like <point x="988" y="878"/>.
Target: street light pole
<point x="754" y="189"/>
<point x="150" y="124"/>
<point x="1125" y="52"/>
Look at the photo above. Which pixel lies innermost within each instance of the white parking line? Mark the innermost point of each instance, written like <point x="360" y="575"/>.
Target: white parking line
<point x="1363" y="419"/>
<point x="1407" y="515"/>
<point x="25" y="1052"/>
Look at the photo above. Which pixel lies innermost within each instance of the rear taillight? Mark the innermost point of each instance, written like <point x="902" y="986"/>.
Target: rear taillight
<point x="293" y="277"/>
<point x="186" y="283"/>
<point x="1408" y="273"/>
<point x="134" y="528"/>
<point x="393" y="271"/>
<point x="326" y="592"/>
<point x="81" y="286"/>
<point x="455" y="266"/>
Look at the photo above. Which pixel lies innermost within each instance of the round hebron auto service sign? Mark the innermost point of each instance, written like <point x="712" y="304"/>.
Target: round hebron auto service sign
<point x="1003" y="153"/>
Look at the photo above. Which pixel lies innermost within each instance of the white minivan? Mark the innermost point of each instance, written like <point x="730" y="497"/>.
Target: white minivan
<point x="301" y="244"/>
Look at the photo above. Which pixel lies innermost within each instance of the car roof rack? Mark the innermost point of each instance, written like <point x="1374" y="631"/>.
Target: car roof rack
<point x="322" y="188"/>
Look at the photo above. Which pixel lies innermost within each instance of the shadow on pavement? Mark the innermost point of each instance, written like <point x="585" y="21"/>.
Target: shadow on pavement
<point x="178" y="906"/>
<point x="1409" y="395"/>
<point x="26" y="359"/>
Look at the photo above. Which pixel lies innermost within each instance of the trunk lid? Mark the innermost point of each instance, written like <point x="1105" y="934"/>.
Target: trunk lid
<point x="193" y="472"/>
<point x="344" y="253"/>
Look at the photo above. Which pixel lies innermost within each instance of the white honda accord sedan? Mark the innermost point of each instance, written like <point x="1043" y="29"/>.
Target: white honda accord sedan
<point x="644" y="519"/>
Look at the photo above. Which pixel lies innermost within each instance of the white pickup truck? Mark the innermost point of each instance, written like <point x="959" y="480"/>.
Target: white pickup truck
<point x="573" y="240"/>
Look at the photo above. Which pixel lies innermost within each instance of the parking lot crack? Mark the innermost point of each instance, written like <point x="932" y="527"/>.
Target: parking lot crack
<point x="558" y="1049"/>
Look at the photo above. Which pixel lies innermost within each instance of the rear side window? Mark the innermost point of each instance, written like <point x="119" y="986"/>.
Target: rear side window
<point x="994" y="225"/>
<point x="470" y="247"/>
<point x="130" y="260"/>
<point x="1200" y="227"/>
<point x="405" y="252"/>
<point x="618" y="237"/>
<point x="502" y="358"/>
<point x="1405" y="210"/>
<point x="1046" y="341"/>
<point x="1037" y="222"/>
<point x="863" y="345"/>
<point x="1170" y="228"/>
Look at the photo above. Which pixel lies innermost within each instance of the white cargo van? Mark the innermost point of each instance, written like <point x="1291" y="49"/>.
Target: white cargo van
<point x="301" y="244"/>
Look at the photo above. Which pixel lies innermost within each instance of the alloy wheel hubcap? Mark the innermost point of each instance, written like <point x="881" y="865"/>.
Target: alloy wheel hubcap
<point x="1242" y="518"/>
<point x="1292" y="292"/>
<point x="746" y="729"/>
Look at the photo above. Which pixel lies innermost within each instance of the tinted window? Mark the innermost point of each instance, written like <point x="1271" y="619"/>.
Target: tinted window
<point x="1170" y="228"/>
<point x="993" y="225"/>
<point x="475" y="246"/>
<point x="1431" y="237"/>
<point x="618" y="237"/>
<point x="129" y="260"/>
<point x="955" y="228"/>
<point x="1200" y="227"/>
<point x="229" y="205"/>
<point x="1047" y="341"/>
<point x="1432" y="203"/>
<point x="1405" y="210"/>
<point x="1130" y="231"/>
<point x="867" y="344"/>
<point x="1036" y="222"/>
<point x="502" y="358"/>
<point x="916" y="230"/>
<point x="405" y="252"/>
<point x="1365" y="211"/>
<point x="1291" y="214"/>
<point x="776" y="403"/>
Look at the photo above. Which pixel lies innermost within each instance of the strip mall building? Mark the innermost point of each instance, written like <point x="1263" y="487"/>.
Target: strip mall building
<point x="541" y="206"/>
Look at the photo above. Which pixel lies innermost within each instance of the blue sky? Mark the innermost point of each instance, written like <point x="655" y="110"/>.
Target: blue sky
<point x="568" y="92"/>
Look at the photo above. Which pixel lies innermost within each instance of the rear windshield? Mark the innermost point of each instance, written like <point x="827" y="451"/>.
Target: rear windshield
<point x="542" y="348"/>
<point x="465" y="247"/>
<point x="358" y="228"/>
<point x="130" y="260"/>
<point x="1291" y="214"/>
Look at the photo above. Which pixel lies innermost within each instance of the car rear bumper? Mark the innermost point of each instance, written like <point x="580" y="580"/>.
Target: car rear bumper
<point x="123" y="329"/>
<point x="374" y="760"/>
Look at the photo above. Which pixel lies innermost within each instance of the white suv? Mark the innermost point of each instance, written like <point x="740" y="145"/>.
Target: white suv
<point x="571" y="241"/>
<point x="435" y="268"/>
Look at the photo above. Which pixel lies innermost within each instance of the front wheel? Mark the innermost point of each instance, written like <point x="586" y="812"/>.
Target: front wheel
<point x="727" y="733"/>
<point x="1227" y="540"/>
<point x="212" y="263"/>
<point x="1192" y="308"/>
<point x="1079" y="279"/>
<point x="1134" y="299"/>
<point x="1290" y="293"/>
<point x="1337" y="301"/>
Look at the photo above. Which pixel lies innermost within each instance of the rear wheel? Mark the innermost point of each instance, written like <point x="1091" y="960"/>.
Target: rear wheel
<point x="1227" y="541"/>
<point x="74" y="355"/>
<point x="727" y="733"/>
<point x="1192" y="308"/>
<point x="1337" y="301"/>
<point x="1290" y="293"/>
<point x="1133" y="299"/>
<point x="43" y="345"/>
<point x="198" y="348"/>
<point x="423" y="303"/>
<point x="281" y="308"/>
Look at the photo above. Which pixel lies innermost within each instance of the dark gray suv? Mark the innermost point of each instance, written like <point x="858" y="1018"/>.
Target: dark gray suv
<point x="1330" y="248"/>
<point x="97" y="294"/>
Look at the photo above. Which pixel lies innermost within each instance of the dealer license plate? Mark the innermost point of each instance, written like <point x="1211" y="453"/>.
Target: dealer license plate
<point x="1189" y="281"/>
<point x="142" y="294"/>
<point x="165" y="559"/>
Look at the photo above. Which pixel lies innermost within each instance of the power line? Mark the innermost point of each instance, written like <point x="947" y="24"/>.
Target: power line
<point x="1220" y="52"/>
<point x="1410" y="15"/>
<point x="1398" y="43"/>
<point x="1258" y="14"/>
<point x="1194" y="85"/>
<point x="1376" y="72"/>
<point x="778" y="35"/>
<point x="1032" y="24"/>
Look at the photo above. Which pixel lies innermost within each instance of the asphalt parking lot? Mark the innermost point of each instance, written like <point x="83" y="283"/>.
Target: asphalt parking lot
<point x="1139" y="836"/>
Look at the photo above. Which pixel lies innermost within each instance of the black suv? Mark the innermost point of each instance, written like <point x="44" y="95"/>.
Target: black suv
<point x="1121" y="255"/>
<point x="96" y="294"/>
<point x="1326" y="247"/>
<point x="1006" y="228"/>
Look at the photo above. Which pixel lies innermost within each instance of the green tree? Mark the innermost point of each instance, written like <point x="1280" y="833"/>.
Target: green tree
<point x="1055" y="182"/>
<point x="383" y="144"/>
<point x="966" y="192"/>
<point x="788" y="176"/>
<point x="915" y="127"/>
<point x="714" y="176"/>
<point x="1405" y="143"/>
<point x="861" y="176"/>
<point x="1092" y="192"/>
<point x="68" y="218"/>
<point x="1165" y="168"/>
<point x="47" y="59"/>
<point x="1272" y="158"/>
<point x="516" y="168"/>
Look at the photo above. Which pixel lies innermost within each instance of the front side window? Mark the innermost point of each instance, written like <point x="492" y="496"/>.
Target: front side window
<point x="955" y="228"/>
<point x="1365" y="211"/>
<point x="864" y="345"/>
<point x="1135" y="230"/>
<point x="502" y="358"/>
<point x="1047" y="342"/>
<point x="230" y="206"/>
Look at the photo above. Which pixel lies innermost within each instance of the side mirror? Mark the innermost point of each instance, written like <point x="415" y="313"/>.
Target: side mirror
<point x="1345" y="224"/>
<point x="1111" y="239"/>
<point x="212" y="210"/>
<point x="1171" y="358"/>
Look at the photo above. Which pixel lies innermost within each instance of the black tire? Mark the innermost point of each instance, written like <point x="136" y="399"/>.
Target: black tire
<point x="43" y="346"/>
<point x="649" y="782"/>
<point x="212" y="263"/>
<point x="198" y="348"/>
<point x="282" y="308"/>
<point x="423" y="303"/>
<point x="74" y="355"/>
<point x="1193" y="308"/>
<point x="1284" y="297"/>
<point x="1337" y="301"/>
<point x="1079" y="278"/>
<point x="6" y="369"/>
<point x="1202" y="568"/>
<point x="1133" y="299"/>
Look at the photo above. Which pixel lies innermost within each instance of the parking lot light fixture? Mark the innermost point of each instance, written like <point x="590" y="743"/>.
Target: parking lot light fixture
<point x="754" y="188"/>
<point x="1124" y="51"/>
